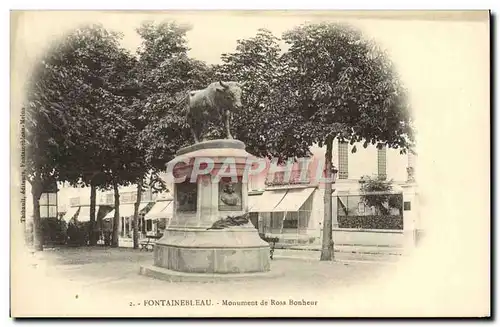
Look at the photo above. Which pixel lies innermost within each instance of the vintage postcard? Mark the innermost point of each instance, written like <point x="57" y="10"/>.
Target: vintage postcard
<point x="250" y="164"/>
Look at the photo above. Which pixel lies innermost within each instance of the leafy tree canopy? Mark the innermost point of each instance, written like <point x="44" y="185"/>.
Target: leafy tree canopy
<point x="165" y="73"/>
<point x="378" y="192"/>
<point x="346" y="86"/>
<point x="266" y="124"/>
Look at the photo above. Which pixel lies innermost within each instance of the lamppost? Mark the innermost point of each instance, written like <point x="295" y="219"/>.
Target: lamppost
<point x="334" y="174"/>
<point x="334" y="179"/>
<point x="328" y="251"/>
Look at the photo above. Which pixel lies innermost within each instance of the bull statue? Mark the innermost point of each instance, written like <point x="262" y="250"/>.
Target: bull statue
<point x="218" y="100"/>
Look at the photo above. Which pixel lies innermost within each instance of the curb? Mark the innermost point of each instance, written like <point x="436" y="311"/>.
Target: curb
<point x="351" y="251"/>
<point x="336" y="260"/>
<point x="178" y="276"/>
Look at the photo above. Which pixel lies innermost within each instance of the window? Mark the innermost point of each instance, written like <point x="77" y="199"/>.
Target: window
<point x="52" y="197"/>
<point x="161" y="224"/>
<point x="146" y="196"/>
<point x="291" y="220"/>
<point x="290" y="223"/>
<point x="277" y="178"/>
<point x="296" y="177"/>
<point x="52" y="211"/>
<point x="276" y="219"/>
<point x="133" y="196"/>
<point x="382" y="162"/>
<point x="110" y="198"/>
<point x="44" y="199"/>
<point x="343" y="160"/>
<point x="48" y="205"/>
<point x="286" y="174"/>
<point x="126" y="197"/>
<point x="44" y="212"/>
<point x="74" y="201"/>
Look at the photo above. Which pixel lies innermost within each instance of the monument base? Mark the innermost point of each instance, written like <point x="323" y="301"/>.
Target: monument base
<point x="210" y="233"/>
<point x="177" y="276"/>
<point x="234" y="250"/>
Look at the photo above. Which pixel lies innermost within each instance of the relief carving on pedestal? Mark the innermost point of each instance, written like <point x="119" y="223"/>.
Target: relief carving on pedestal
<point x="186" y="197"/>
<point x="230" y="221"/>
<point x="230" y="195"/>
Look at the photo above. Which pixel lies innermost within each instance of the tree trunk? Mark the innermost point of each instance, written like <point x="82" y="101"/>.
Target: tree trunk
<point x="136" y="215"/>
<point x="116" y="218"/>
<point x="37" y="226"/>
<point x="327" y="251"/>
<point x="92" y="223"/>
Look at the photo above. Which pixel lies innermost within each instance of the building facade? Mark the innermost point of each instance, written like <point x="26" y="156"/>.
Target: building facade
<point x="292" y="208"/>
<point x="288" y="203"/>
<point x="73" y="204"/>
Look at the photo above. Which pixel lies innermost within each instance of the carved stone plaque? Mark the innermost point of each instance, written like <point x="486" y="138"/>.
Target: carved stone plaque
<point x="186" y="196"/>
<point x="230" y="195"/>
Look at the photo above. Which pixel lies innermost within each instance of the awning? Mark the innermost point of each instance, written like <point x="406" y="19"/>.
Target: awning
<point x="294" y="199"/>
<point x="126" y="210"/>
<point x="268" y="200"/>
<point x="160" y="210"/>
<point x="70" y="213"/>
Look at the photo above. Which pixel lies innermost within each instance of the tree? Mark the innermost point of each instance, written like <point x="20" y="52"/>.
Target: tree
<point x="164" y="74"/>
<point x="89" y="78"/>
<point x="265" y="125"/>
<point x="377" y="193"/>
<point x="56" y="118"/>
<point x="346" y="88"/>
<point x="112" y="159"/>
<point x="104" y="69"/>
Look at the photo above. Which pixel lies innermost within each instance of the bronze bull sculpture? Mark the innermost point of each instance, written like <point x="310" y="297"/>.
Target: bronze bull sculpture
<point x="218" y="100"/>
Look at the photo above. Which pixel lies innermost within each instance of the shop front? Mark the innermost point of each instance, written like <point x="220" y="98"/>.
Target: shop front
<point x="126" y="212"/>
<point x="284" y="213"/>
<point x="157" y="219"/>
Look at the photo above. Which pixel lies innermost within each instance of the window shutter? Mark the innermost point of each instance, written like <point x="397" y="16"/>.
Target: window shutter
<point x="382" y="162"/>
<point x="343" y="160"/>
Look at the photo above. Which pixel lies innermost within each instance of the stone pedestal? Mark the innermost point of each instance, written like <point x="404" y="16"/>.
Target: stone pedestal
<point x="205" y="235"/>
